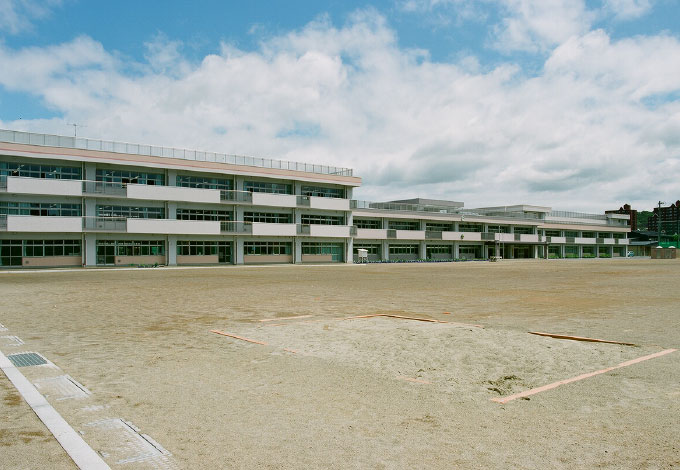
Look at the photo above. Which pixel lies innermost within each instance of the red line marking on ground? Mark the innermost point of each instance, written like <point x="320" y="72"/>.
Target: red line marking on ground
<point x="237" y="337"/>
<point x="544" y="388"/>
<point x="285" y="318"/>
<point x="579" y="338"/>
<point x="420" y="381"/>
<point x="290" y="350"/>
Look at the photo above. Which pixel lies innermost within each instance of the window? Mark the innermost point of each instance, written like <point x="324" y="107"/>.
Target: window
<point x="311" y="219"/>
<point x="470" y="227"/>
<point x="367" y="223"/>
<point x="266" y="187"/>
<point x="619" y="236"/>
<point x="10" y="252"/>
<point x="588" y="234"/>
<point x="403" y="249"/>
<point x="131" y="212"/>
<point x="267" y="217"/>
<point x="319" y="191"/>
<point x="51" y="247"/>
<point x="604" y="235"/>
<point x="267" y="248"/>
<point x="333" y="249"/>
<point x="140" y="248"/>
<point x="205" y="248"/>
<point x="571" y="234"/>
<point x="56" y="209"/>
<point x="371" y="248"/>
<point x="40" y="171"/>
<point x="438" y="227"/>
<point x="438" y="249"/>
<point x="524" y="230"/>
<point x="498" y="229"/>
<point x="552" y="233"/>
<point x="204" y="214"/>
<point x="204" y="182"/>
<point x="133" y="177"/>
<point x="404" y="225"/>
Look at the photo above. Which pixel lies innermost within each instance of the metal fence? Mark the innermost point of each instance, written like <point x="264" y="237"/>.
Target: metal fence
<point x="104" y="187"/>
<point x="31" y="138"/>
<point x="105" y="224"/>
<point x="236" y="196"/>
<point x="236" y="227"/>
<point x="3" y="222"/>
<point x="3" y="183"/>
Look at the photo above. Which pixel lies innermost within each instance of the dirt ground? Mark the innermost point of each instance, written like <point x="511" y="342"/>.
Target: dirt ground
<point x="328" y="392"/>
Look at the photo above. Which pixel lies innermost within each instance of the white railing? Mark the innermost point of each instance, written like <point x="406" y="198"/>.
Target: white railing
<point x="31" y="138"/>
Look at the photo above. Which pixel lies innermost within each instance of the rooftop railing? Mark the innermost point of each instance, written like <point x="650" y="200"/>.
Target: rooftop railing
<point x="31" y="138"/>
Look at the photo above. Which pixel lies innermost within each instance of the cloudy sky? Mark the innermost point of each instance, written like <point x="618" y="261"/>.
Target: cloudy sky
<point x="573" y="104"/>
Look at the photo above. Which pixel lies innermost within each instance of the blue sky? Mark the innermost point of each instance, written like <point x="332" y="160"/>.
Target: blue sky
<point x="569" y="103"/>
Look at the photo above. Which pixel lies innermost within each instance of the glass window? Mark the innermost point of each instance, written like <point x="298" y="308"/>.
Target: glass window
<point x="469" y="227"/>
<point x="322" y="248"/>
<point x="267" y="248"/>
<point x="267" y="217"/>
<point x="403" y="249"/>
<point x="204" y="182"/>
<point x="371" y="248"/>
<point x="131" y="212"/>
<point x="312" y="219"/>
<point x="403" y="225"/>
<point x="132" y="177"/>
<point x="267" y="187"/>
<point x="523" y="229"/>
<point x="56" y="209"/>
<point x="367" y="223"/>
<point x="204" y="214"/>
<point x="438" y="227"/>
<point x="320" y="191"/>
<point x="140" y="247"/>
<point x="33" y="170"/>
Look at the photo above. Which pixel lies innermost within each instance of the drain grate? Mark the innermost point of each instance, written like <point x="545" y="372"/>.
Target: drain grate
<point x="26" y="359"/>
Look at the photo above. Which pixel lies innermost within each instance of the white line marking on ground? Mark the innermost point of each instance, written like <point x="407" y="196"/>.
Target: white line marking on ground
<point x="74" y="445"/>
<point x="13" y="340"/>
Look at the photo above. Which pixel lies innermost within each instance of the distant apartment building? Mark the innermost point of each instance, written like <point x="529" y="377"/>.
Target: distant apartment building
<point x="668" y="217"/>
<point x="632" y="214"/>
<point x="67" y="201"/>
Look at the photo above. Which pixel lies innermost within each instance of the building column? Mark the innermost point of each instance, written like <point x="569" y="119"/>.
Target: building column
<point x="171" y="210"/>
<point x="349" y="250"/>
<point x="172" y="250"/>
<point x="238" y="250"/>
<point x="90" y="173"/>
<point x="172" y="177"/>
<point x="385" y="250"/>
<point x="456" y="251"/>
<point x="297" y="250"/>
<point x="422" y="250"/>
<point x="90" y="249"/>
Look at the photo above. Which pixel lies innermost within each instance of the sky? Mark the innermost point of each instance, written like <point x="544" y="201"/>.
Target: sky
<point x="573" y="104"/>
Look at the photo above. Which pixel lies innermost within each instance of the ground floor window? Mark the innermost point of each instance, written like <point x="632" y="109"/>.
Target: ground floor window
<point x="107" y="250"/>
<point x="372" y="249"/>
<point x="588" y="251"/>
<point x="403" y="249"/>
<point x="571" y="251"/>
<point x="521" y="251"/>
<point x="12" y="251"/>
<point x="321" y="248"/>
<point x="554" y="251"/>
<point x="267" y="248"/>
<point x="205" y="248"/>
<point x="439" y="251"/>
<point x="470" y="251"/>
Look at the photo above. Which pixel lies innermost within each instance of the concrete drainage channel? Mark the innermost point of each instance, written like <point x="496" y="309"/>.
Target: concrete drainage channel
<point x="124" y="445"/>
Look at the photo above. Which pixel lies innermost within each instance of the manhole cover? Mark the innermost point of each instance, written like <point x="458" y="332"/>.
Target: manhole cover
<point x="26" y="359"/>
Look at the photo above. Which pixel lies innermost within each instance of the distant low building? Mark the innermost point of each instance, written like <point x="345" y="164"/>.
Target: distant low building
<point x="626" y="209"/>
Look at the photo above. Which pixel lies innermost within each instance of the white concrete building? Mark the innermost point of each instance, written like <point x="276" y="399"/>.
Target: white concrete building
<point x="67" y="201"/>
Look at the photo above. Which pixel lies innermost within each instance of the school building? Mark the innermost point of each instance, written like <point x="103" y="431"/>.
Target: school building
<point x="70" y="201"/>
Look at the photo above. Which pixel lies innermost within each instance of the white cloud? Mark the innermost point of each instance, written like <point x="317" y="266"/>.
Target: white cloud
<point x="18" y="15"/>
<point x="627" y="9"/>
<point x="539" y="25"/>
<point x="579" y="135"/>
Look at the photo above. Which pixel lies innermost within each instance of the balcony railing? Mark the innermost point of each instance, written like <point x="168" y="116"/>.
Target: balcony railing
<point x="236" y="227"/>
<point x="353" y="231"/>
<point x="3" y="222"/>
<point x="303" y="229"/>
<point x="433" y="235"/>
<point x="236" y="196"/>
<point x="303" y="201"/>
<point x="31" y="138"/>
<point x="105" y="188"/>
<point x="104" y="224"/>
<point x="3" y="183"/>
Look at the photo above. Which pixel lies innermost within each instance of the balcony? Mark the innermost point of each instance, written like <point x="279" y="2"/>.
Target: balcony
<point x="173" y="193"/>
<point x="336" y="231"/>
<point x="236" y="227"/>
<point x="104" y="188"/>
<point x="622" y="241"/>
<point x="584" y="241"/>
<point x="173" y="227"/>
<point x="433" y="235"/>
<point x="104" y="224"/>
<point x="276" y="200"/>
<point x="236" y="196"/>
<point x="371" y="233"/>
<point x="34" y="223"/>
<point x="463" y="236"/>
<point x="328" y="203"/>
<point x="274" y="230"/>
<point x="48" y="186"/>
<point x="528" y="238"/>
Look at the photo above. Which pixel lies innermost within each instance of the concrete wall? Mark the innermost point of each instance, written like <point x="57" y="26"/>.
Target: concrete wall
<point x="172" y="193"/>
<point x="197" y="259"/>
<point x="317" y="259"/>
<point x="267" y="259"/>
<point x="279" y="200"/>
<point x="178" y="227"/>
<point x="51" y="261"/>
<point x="51" y="187"/>
<point x="30" y="223"/>
<point x="328" y="203"/>
<point x="125" y="260"/>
